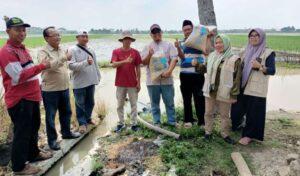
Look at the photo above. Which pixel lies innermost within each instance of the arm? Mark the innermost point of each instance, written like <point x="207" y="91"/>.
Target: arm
<point x="146" y="55"/>
<point x="237" y="75"/>
<point x="77" y="66"/>
<point x="54" y="63"/>
<point x="19" y="74"/>
<point x="116" y="64"/>
<point x="179" y="50"/>
<point x="270" y="68"/>
<point x="97" y="66"/>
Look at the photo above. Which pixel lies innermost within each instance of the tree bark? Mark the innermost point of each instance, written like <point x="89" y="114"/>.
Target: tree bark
<point x="206" y="12"/>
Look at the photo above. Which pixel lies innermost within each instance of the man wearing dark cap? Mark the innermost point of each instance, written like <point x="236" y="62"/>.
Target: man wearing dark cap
<point x="22" y="96"/>
<point x="164" y="85"/>
<point x="191" y="79"/>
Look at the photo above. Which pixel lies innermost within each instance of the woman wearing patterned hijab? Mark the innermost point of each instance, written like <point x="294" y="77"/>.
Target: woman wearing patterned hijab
<point x="221" y="87"/>
<point x="258" y="64"/>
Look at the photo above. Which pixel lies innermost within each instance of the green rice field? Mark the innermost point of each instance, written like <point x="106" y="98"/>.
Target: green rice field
<point x="289" y="43"/>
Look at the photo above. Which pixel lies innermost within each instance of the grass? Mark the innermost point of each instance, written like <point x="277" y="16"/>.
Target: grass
<point x="277" y="42"/>
<point x="290" y="43"/>
<point x="37" y="41"/>
<point x="192" y="155"/>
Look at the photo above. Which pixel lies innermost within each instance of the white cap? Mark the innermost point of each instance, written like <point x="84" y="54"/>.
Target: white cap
<point x="80" y="33"/>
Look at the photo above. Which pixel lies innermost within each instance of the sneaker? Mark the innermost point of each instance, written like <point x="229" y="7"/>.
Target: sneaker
<point x="229" y="140"/>
<point x="157" y="125"/>
<point x="134" y="128"/>
<point x="82" y="129"/>
<point x="188" y="125"/>
<point x="28" y="170"/>
<point x="119" y="128"/>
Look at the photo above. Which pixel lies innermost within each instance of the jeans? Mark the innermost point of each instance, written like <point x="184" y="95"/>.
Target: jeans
<point x="84" y="100"/>
<point x="167" y="93"/>
<point x="26" y="119"/>
<point x="53" y="101"/>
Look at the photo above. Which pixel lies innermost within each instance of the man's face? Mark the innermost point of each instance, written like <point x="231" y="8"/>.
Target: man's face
<point x="53" y="37"/>
<point x="126" y="42"/>
<point x="17" y="34"/>
<point x="82" y="39"/>
<point x="187" y="30"/>
<point x="157" y="37"/>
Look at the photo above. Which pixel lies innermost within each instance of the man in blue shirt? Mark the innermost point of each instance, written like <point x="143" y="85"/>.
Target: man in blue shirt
<point x="191" y="79"/>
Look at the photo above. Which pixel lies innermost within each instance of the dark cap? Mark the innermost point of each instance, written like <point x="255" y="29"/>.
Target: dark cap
<point x="14" y="22"/>
<point x="155" y="28"/>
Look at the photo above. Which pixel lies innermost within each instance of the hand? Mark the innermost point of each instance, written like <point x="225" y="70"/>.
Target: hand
<point x="176" y="43"/>
<point x="138" y="87"/>
<point x="166" y="74"/>
<point x="129" y="59"/>
<point x="90" y="60"/>
<point x="255" y="64"/>
<point x="194" y="62"/>
<point x="232" y="101"/>
<point x="151" y="52"/>
<point x="69" y="55"/>
<point x="46" y="63"/>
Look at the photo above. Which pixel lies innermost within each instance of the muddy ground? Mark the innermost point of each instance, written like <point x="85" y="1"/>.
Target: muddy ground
<point x="135" y="154"/>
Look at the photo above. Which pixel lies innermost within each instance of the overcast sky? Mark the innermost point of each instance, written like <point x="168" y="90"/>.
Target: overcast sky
<point x="129" y="14"/>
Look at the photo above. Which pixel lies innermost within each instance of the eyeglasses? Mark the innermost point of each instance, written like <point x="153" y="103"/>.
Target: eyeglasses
<point x="253" y="35"/>
<point x="55" y="35"/>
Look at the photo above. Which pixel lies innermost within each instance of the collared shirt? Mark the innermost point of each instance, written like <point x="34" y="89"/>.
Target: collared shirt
<point x="19" y="74"/>
<point x="189" y="55"/>
<point x="83" y="74"/>
<point x="170" y="52"/>
<point x="55" y="78"/>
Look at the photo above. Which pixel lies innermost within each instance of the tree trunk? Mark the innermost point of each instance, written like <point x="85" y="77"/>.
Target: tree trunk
<point x="206" y="12"/>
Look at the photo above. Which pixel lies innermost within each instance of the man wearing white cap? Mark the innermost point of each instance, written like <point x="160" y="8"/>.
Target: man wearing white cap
<point x="85" y="75"/>
<point x="127" y="61"/>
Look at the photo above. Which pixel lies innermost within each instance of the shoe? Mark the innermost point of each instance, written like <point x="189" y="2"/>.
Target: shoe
<point x="91" y="122"/>
<point x="188" y="125"/>
<point x="82" y="129"/>
<point x="134" y="128"/>
<point x="245" y="141"/>
<point x="229" y="140"/>
<point x="72" y="136"/>
<point x="28" y="170"/>
<point x="119" y="128"/>
<point x="157" y="124"/>
<point x="54" y="146"/>
<point x="207" y="136"/>
<point x="43" y="155"/>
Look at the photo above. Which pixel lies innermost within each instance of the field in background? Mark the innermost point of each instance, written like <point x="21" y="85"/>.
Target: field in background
<point x="290" y="43"/>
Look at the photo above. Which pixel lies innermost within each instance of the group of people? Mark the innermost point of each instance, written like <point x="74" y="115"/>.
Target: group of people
<point x="219" y="82"/>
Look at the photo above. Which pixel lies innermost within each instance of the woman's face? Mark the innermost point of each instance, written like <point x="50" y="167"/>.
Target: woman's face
<point x="219" y="45"/>
<point x="254" y="38"/>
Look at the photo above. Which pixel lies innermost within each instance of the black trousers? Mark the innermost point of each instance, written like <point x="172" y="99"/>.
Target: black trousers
<point x="26" y="119"/>
<point x="191" y="87"/>
<point x="255" y="110"/>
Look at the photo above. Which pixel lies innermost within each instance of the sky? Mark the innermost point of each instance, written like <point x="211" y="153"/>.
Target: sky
<point x="130" y="14"/>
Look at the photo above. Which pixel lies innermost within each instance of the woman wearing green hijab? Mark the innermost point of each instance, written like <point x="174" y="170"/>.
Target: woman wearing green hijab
<point x="222" y="85"/>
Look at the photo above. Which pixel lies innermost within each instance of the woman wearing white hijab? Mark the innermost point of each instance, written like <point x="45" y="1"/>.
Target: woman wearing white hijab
<point x="222" y="85"/>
